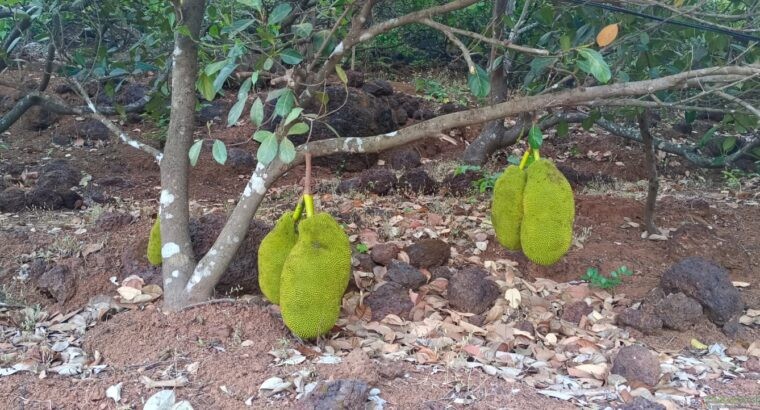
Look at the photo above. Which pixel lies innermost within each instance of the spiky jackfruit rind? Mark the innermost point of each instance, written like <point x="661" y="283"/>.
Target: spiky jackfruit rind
<point x="546" y="232"/>
<point x="154" y="244"/>
<point x="315" y="276"/>
<point x="273" y="250"/>
<point x="507" y="207"/>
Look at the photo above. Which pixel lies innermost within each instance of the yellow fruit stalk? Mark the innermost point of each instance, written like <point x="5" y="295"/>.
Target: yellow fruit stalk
<point x="507" y="207"/>
<point x="546" y="232"/>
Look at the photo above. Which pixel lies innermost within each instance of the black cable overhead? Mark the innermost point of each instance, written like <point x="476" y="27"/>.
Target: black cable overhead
<point x="735" y="34"/>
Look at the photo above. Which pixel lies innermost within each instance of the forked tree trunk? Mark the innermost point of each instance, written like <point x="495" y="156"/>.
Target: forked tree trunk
<point x="176" y="249"/>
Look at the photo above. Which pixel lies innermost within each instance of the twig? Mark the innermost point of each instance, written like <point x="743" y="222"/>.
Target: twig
<point x="503" y="43"/>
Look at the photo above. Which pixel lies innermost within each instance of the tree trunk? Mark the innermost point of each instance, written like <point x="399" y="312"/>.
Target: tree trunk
<point x="176" y="249"/>
<point x="486" y="143"/>
<point x="651" y="162"/>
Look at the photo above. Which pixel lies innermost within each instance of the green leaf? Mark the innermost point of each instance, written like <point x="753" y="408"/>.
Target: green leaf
<point x="261" y="135"/>
<point x="303" y="30"/>
<point x="537" y="67"/>
<point x="235" y="112"/>
<point x="565" y="42"/>
<point x="298" y="128"/>
<point x="290" y="56"/>
<point x="255" y="4"/>
<point x="206" y="87"/>
<point x="287" y="151"/>
<point x="275" y="94"/>
<point x="479" y="82"/>
<point x="707" y="136"/>
<point x="245" y="88"/>
<point x="224" y="73"/>
<point x="279" y="13"/>
<point x="257" y="112"/>
<point x="294" y="113"/>
<point x="268" y="63"/>
<point x="267" y="150"/>
<point x="563" y="128"/>
<point x="728" y="144"/>
<point x="219" y="152"/>
<point x="535" y="137"/>
<point x="195" y="152"/>
<point x="341" y="74"/>
<point x="594" y="64"/>
<point x="285" y="103"/>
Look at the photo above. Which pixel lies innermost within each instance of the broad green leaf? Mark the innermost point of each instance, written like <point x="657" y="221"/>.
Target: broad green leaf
<point x="257" y="112"/>
<point x="205" y="86"/>
<point x="728" y="144"/>
<point x="594" y="64"/>
<point x="267" y="150"/>
<point x="537" y="67"/>
<point x="341" y="74"/>
<point x="298" y="128"/>
<point x="195" y="152"/>
<point x="219" y="152"/>
<point x="535" y="137"/>
<point x="287" y="151"/>
<point x="285" y="103"/>
<point x="294" y="113"/>
<point x="290" y="56"/>
<point x="707" y="136"/>
<point x="690" y="116"/>
<point x="303" y="30"/>
<point x="479" y="82"/>
<point x="224" y="73"/>
<point x="261" y="135"/>
<point x="279" y="13"/>
<point x="565" y="42"/>
<point x="254" y="4"/>
<point x="234" y="115"/>
<point x="275" y="94"/>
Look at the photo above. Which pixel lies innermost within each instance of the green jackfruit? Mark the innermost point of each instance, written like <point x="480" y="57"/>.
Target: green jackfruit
<point x="546" y="232"/>
<point x="507" y="207"/>
<point x="273" y="250"/>
<point x="315" y="276"/>
<point x="154" y="244"/>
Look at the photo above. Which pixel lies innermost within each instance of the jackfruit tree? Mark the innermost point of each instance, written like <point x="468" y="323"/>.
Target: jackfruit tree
<point x="550" y="57"/>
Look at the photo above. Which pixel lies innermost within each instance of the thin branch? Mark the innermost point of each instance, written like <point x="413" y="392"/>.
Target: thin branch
<point x="457" y="42"/>
<point x="739" y="101"/>
<point x="414" y="17"/>
<point x="326" y="40"/>
<point x="114" y="128"/>
<point x="630" y="102"/>
<point x="503" y="43"/>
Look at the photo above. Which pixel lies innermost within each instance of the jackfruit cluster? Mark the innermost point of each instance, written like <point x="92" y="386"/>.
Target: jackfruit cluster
<point x="534" y="210"/>
<point x="154" y="244"/>
<point x="507" y="207"/>
<point x="306" y="272"/>
<point x="273" y="250"/>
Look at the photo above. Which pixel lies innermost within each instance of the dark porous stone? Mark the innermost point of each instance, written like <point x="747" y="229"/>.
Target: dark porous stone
<point x="405" y="158"/>
<point x="405" y="275"/>
<point x="378" y="88"/>
<point x="428" y="253"/>
<point x="417" y="180"/>
<point x="12" y="200"/>
<point x="574" y="311"/>
<point x="678" y="311"/>
<point x="642" y="320"/>
<point x="42" y="198"/>
<point x="384" y="253"/>
<point x="709" y="284"/>
<point x="346" y="394"/>
<point x="58" y="282"/>
<point x="389" y="298"/>
<point x="637" y="364"/>
<point x="471" y="291"/>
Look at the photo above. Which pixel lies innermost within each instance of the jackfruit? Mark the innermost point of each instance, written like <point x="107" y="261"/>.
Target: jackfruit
<point x="507" y="207"/>
<point x="154" y="244"/>
<point x="315" y="276"/>
<point x="273" y="250"/>
<point x="546" y="232"/>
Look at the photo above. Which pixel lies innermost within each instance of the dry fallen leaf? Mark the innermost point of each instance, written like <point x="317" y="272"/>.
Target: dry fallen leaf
<point x="513" y="297"/>
<point x="607" y="35"/>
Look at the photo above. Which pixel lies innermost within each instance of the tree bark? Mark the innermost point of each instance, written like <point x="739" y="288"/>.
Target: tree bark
<point x="651" y="162"/>
<point x="176" y="248"/>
